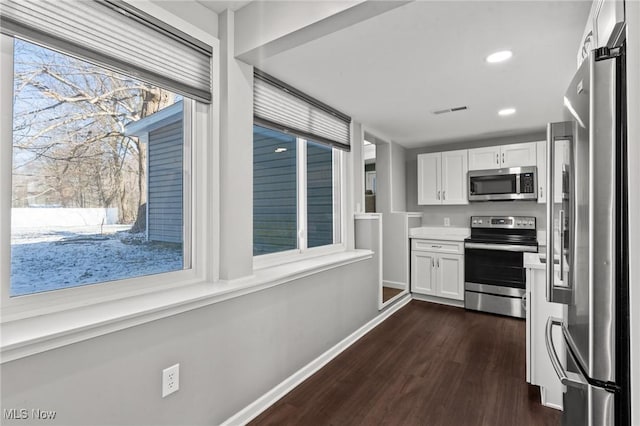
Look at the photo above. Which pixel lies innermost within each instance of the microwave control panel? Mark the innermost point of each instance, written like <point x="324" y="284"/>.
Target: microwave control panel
<point x="527" y="184"/>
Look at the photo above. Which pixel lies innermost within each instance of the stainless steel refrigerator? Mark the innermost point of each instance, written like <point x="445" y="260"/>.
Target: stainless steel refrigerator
<point x="587" y="234"/>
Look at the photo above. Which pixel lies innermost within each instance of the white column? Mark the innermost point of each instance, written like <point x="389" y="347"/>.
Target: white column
<point x="236" y="157"/>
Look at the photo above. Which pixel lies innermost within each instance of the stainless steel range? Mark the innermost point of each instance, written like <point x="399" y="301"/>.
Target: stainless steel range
<point x="494" y="270"/>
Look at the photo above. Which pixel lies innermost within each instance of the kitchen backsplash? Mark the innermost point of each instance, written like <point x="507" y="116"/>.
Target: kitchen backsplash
<point x="459" y="215"/>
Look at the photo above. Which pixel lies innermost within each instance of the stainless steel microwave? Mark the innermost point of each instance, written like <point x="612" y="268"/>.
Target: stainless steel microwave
<point x="514" y="183"/>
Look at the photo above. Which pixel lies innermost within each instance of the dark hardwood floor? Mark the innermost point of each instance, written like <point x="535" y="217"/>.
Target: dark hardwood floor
<point x="427" y="364"/>
<point x="389" y="292"/>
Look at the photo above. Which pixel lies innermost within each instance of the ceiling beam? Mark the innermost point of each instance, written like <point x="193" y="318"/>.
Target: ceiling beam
<point x="264" y="29"/>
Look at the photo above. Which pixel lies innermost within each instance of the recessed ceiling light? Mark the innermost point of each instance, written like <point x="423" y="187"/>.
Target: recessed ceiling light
<point x="366" y="142"/>
<point x="501" y="56"/>
<point x="280" y="149"/>
<point x="507" y="111"/>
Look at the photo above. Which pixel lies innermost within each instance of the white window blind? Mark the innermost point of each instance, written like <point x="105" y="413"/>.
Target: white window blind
<point x="114" y="34"/>
<point x="281" y="107"/>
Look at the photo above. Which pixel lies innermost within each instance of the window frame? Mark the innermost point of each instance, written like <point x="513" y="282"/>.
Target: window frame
<point x="339" y="211"/>
<point x="199" y="249"/>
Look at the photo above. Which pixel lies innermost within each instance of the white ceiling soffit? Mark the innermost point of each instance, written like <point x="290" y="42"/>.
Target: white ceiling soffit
<point x="220" y="6"/>
<point x="392" y="71"/>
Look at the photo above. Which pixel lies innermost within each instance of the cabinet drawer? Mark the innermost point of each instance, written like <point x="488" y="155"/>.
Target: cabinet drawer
<point x="438" y="246"/>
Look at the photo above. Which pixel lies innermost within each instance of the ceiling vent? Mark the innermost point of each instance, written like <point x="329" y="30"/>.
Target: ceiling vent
<point x="454" y="109"/>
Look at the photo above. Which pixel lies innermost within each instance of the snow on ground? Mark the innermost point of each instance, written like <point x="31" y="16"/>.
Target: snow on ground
<point x="51" y="258"/>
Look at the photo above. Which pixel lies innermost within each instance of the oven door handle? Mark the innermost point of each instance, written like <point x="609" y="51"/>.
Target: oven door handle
<point x="502" y="247"/>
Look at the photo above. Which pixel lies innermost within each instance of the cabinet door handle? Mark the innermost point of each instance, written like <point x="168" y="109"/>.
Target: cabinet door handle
<point x="444" y="195"/>
<point x="433" y="263"/>
<point x="541" y="193"/>
<point x="438" y="263"/>
<point x="503" y="158"/>
<point x="498" y="159"/>
<point x="438" y="196"/>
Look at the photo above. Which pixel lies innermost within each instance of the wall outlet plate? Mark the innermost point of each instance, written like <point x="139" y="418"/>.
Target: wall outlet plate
<point x="447" y="221"/>
<point x="170" y="380"/>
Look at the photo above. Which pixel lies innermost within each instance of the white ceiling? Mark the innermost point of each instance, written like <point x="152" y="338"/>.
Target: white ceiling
<point x="391" y="71"/>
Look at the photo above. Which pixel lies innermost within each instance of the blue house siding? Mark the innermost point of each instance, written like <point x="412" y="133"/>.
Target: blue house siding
<point x="165" y="187"/>
<point x="319" y="195"/>
<point x="274" y="192"/>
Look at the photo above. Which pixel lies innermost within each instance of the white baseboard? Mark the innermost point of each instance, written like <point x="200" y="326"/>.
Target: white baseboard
<point x="252" y="410"/>
<point x="394" y="284"/>
<point x="441" y="300"/>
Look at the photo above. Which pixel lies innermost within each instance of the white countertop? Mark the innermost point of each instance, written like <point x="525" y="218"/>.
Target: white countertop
<point x="533" y="260"/>
<point x="448" y="233"/>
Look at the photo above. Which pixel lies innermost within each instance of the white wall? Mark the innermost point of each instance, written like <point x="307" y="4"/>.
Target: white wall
<point x="193" y="13"/>
<point x="357" y="158"/>
<point x="398" y="178"/>
<point x="195" y="20"/>
<point x="391" y="201"/>
<point x="230" y="353"/>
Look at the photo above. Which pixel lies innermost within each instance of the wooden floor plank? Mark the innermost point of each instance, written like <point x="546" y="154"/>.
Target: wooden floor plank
<point x="428" y="364"/>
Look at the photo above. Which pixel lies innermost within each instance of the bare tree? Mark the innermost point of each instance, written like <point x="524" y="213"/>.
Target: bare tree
<point x="69" y="122"/>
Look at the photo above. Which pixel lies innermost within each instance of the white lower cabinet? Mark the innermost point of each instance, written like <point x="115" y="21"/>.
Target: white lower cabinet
<point x="437" y="268"/>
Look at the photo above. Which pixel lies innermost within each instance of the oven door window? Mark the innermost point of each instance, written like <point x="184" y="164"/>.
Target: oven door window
<point x="494" y="267"/>
<point x="496" y="184"/>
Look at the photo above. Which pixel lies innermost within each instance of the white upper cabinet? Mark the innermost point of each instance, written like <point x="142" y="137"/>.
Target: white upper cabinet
<point x="429" y="185"/>
<point x="498" y="157"/>
<point x="454" y="177"/>
<point x="518" y="155"/>
<point x="484" y="158"/>
<point x="442" y="178"/>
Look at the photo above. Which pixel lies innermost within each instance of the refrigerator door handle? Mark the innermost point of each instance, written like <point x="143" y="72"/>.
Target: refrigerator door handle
<point x="566" y="378"/>
<point x="561" y="229"/>
<point x="555" y="294"/>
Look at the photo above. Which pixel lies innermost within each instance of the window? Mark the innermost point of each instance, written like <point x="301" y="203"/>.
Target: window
<point x="97" y="174"/>
<point x="98" y="177"/>
<point x="297" y="150"/>
<point x="296" y="197"/>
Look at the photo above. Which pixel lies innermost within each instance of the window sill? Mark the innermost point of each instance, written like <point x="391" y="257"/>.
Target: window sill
<point x="29" y="336"/>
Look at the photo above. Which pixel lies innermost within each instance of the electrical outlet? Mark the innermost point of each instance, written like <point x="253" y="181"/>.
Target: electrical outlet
<point x="447" y="221"/>
<point x="170" y="380"/>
